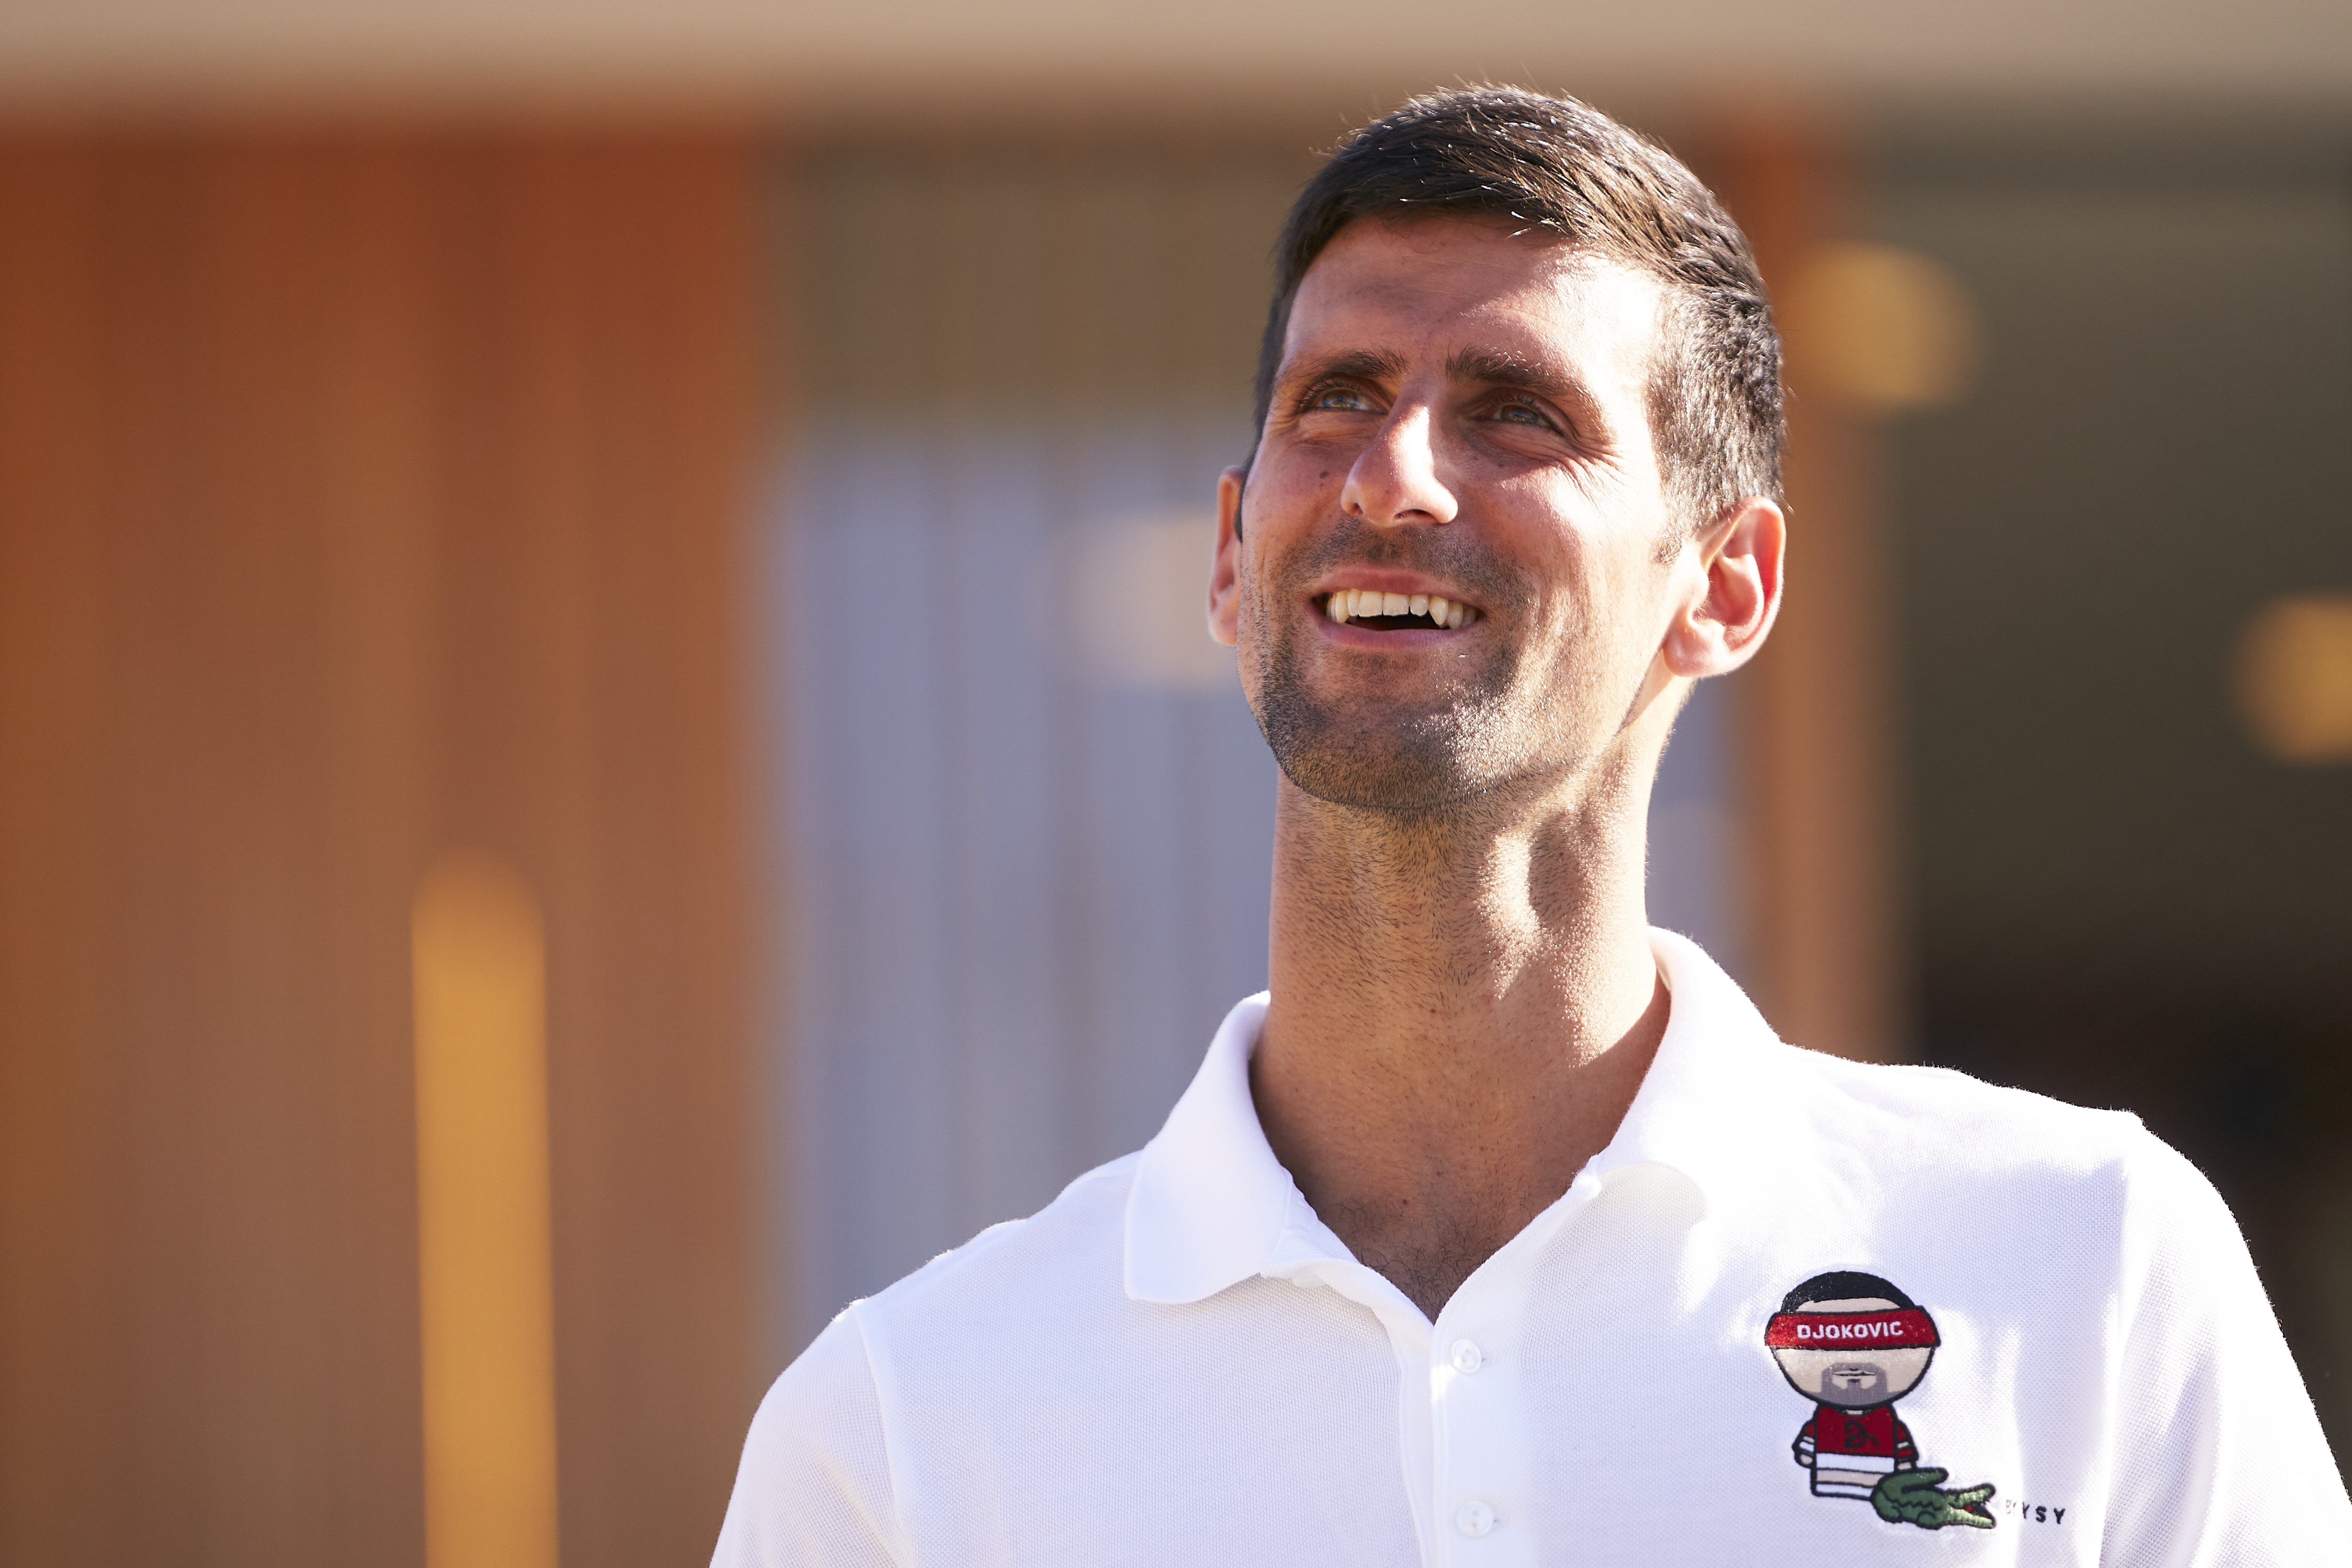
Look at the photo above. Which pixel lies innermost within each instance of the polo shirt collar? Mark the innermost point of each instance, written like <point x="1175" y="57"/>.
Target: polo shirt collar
<point x="1209" y="1201"/>
<point x="1211" y="1207"/>
<point x="1710" y="1102"/>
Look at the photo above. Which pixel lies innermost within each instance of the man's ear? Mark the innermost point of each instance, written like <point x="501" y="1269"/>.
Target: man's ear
<point x="1224" y="574"/>
<point x="1722" y="624"/>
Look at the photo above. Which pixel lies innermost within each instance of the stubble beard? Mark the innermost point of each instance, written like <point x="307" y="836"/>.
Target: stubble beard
<point x="1431" y="763"/>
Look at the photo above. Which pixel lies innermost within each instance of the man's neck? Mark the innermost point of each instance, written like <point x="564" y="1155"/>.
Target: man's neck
<point x="1462" y="1013"/>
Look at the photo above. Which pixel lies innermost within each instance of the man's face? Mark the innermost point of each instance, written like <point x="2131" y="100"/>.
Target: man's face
<point x="1460" y="413"/>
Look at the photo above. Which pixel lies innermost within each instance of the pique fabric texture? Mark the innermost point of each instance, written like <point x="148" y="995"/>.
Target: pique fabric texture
<point x="1176" y="1363"/>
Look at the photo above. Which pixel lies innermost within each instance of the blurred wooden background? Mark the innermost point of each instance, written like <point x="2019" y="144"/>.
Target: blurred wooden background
<point x="361" y="497"/>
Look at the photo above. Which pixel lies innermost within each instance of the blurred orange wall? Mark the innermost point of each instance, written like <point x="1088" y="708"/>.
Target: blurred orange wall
<point x="361" y="497"/>
<point x="1816" y="707"/>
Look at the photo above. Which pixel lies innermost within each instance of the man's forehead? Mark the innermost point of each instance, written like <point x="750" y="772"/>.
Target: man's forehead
<point x="1440" y="285"/>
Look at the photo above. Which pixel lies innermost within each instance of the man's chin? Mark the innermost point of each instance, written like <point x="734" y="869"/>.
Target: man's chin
<point x="1374" y="753"/>
<point x="1405" y="780"/>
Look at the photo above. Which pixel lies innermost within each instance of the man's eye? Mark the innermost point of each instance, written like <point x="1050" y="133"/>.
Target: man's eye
<point x="1337" y="399"/>
<point x="1521" y="414"/>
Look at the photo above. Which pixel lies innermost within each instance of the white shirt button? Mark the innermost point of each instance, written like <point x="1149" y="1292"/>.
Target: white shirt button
<point x="1473" y="1518"/>
<point x="1466" y="1356"/>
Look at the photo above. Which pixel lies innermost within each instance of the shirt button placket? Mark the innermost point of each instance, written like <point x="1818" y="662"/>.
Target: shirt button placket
<point x="1474" y="1517"/>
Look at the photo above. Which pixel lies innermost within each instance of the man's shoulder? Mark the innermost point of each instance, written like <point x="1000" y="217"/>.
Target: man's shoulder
<point x="957" y="1332"/>
<point x="1068" y="1255"/>
<point x="1934" y="1118"/>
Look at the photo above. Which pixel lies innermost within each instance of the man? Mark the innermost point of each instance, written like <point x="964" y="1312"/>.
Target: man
<point x="1486" y="1234"/>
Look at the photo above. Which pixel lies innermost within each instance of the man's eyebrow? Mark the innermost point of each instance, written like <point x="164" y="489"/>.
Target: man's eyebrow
<point x="1493" y="367"/>
<point x="1356" y="365"/>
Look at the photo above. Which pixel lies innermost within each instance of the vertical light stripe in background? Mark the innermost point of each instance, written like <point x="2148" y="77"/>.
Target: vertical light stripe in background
<point x="484" y="1264"/>
<point x="1025" y="880"/>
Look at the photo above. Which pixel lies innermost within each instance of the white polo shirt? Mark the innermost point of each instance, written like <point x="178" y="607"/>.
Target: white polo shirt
<point x="1177" y="1363"/>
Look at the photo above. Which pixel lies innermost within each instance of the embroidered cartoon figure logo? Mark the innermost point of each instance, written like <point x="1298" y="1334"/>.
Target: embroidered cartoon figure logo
<point x="1853" y="1345"/>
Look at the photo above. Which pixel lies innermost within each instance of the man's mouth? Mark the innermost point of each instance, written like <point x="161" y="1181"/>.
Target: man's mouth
<point x="1383" y="612"/>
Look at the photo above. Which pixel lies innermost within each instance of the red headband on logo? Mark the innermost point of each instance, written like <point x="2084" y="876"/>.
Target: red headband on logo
<point x="1906" y="1328"/>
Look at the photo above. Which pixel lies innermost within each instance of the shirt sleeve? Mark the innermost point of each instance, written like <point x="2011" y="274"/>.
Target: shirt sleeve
<point x="813" y="1487"/>
<point x="2219" y="1456"/>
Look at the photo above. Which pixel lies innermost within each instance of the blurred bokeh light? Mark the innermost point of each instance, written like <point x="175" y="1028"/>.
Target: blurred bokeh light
<point x="1889" y="328"/>
<point x="2295" y="678"/>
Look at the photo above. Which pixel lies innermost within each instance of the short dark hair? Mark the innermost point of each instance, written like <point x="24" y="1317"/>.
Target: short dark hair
<point x="1564" y="168"/>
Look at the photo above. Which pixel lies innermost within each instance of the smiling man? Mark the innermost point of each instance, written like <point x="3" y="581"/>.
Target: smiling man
<point x="1497" y="1231"/>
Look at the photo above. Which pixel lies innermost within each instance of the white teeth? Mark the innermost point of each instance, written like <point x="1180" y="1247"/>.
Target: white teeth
<point x="1344" y="605"/>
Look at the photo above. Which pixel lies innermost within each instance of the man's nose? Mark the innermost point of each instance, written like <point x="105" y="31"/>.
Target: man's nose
<point x="1394" y="480"/>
